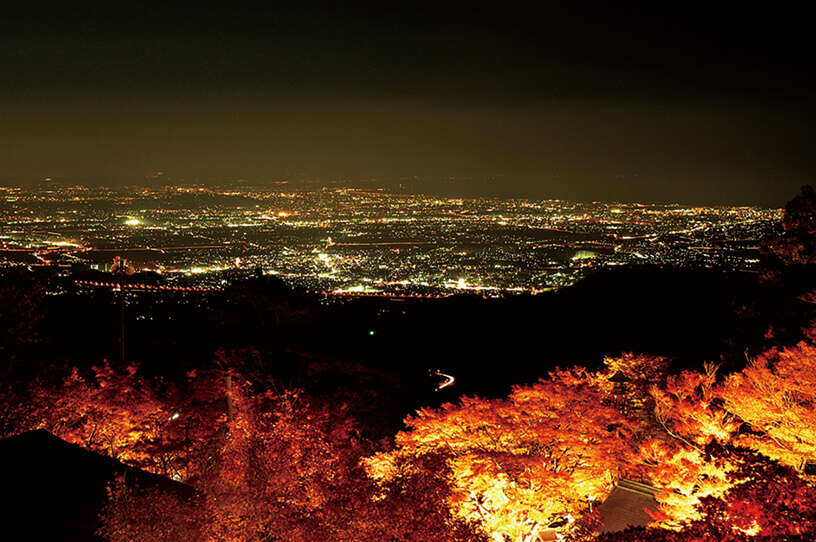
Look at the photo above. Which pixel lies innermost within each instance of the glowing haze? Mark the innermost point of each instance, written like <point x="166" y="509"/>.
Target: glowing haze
<point x="467" y="98"/>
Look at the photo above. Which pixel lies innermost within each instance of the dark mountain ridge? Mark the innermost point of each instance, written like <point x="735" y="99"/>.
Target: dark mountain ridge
<point x="384" y="349"/>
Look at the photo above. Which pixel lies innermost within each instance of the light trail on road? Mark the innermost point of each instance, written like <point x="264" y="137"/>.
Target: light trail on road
<point x="449" y="380"/>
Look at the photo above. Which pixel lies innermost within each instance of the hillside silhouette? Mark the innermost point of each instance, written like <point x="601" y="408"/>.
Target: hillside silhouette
<point x="378" y="352"/>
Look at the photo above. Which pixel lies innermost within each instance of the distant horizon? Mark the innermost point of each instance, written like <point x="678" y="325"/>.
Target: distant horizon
<point x="449" y="188"/>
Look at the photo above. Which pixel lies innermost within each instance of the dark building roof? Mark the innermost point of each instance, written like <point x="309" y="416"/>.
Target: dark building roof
<point x="54" y="490"/>
<point x="626" y="506"/>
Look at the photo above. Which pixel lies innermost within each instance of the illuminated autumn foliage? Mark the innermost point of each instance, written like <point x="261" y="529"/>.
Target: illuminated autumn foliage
<point x="151" y="516"/>
<point x="776" y="396"/>
<point x="686" y="475"/>
<point x="727" y="452"/>
<point x="501" y="450"/>
<point x="289" y="470"/>
<point x="113" y="412"/>
<point x="765" y="501"/>
<point x="278" y="466"/>
<point x="685" y="409"/>
<point x="540" y="456"/>
<point x="119" y="414"/>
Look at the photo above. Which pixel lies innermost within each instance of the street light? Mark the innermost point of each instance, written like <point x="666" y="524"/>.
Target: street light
<point x="121" y="266"/>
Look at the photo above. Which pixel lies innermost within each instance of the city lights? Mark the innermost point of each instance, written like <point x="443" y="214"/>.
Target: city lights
<point x="348" y="241"/>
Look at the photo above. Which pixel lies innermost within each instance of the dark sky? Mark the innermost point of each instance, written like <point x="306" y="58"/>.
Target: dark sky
<point x="516" y="99"/>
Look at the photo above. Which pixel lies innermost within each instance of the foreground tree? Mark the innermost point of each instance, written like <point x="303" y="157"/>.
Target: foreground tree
<point x="279" y="465"/>
<point x="118" y="413"/>
<point x="287" y="469"/>
<point x="114" y="412"/>
<point x="776" y="396"/>
<point x="520" y="464"/>
<point x="133" y="515"/>
<point x="687" y="410"/>
<point x="766" y="501"/>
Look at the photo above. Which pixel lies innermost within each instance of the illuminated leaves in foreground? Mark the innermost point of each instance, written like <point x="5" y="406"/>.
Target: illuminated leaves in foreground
<point x="766" y="501"/>
<point x="151" y="516"/>
<point x="115" y="413"/>
<point x="119" y="414"/>
<point x="289" y="470"/>
<point x="776" y="396"/>
<point x="547" y="451"/>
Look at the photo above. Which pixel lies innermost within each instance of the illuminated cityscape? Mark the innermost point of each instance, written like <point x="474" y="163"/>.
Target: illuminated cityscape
<point x="365" y="240"/>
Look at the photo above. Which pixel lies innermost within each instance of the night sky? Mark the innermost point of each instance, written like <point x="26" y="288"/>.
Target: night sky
<point x="675" y="105"/>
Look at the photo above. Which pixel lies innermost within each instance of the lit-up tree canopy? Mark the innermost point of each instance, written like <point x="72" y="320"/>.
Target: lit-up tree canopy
<point x="540" y="456"/>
